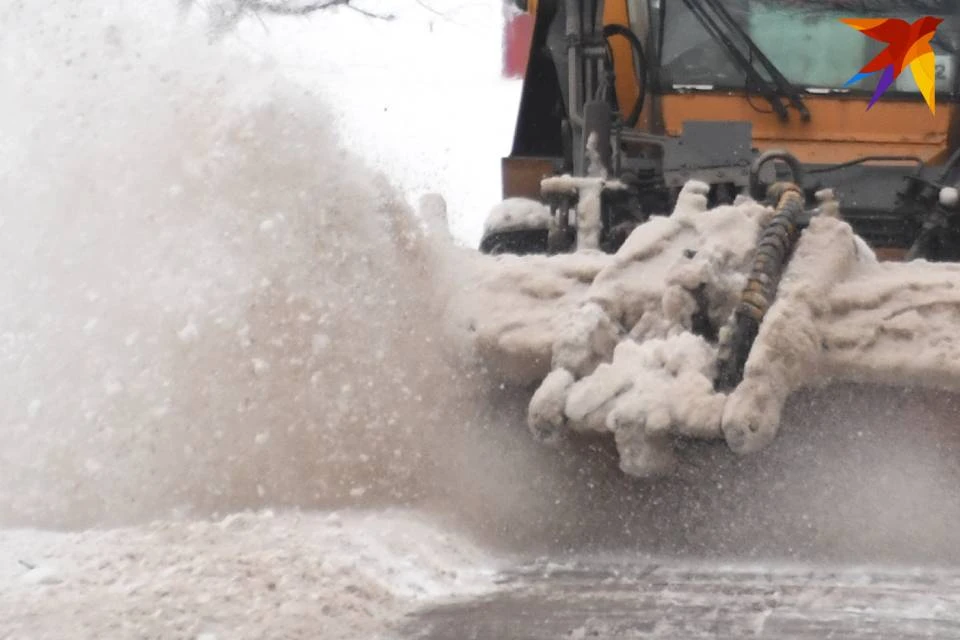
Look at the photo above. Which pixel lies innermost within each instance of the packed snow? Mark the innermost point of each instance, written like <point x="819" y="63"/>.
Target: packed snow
<point x="517" y="213"/>
<point x="261" y="574"/>
<point x="609" y="340"/>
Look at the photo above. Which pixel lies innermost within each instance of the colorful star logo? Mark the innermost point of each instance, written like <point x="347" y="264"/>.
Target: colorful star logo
<point x="907" y="45"/>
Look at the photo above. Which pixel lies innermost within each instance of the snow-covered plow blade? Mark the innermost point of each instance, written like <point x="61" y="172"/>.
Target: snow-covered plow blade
<point x="705" y="321"/>
<point x="650" y="326"/>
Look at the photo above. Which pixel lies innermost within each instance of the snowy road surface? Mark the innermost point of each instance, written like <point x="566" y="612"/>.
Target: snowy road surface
<point x="647" y="598"/>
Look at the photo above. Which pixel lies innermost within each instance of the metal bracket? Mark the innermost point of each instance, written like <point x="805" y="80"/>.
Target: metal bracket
<point x="588" y="193"/>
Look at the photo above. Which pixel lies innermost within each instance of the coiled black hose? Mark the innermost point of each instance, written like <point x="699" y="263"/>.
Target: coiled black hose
<point x="640" y="69"/>
<point x="776" y="244"/>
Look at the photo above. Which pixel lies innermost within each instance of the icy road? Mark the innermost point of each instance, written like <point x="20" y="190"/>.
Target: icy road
<point x="621" y="598"/>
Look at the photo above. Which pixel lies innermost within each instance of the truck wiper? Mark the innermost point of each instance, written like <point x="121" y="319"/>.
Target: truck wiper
<point x="783" y="84"/>
<point x="771" y="90"/>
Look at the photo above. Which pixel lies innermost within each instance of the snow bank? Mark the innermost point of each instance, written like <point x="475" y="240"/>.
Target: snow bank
<point x="251" y="575"/>
<point x="627" y="344"/>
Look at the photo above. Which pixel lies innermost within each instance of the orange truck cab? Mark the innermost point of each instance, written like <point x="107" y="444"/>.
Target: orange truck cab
<point x="701" y="89"/>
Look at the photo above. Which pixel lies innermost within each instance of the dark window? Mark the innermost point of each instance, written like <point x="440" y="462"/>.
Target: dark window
<point x="805" y="40"/>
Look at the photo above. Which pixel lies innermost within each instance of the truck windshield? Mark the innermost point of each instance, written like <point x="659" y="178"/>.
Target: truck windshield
<point x="805" y="40"/>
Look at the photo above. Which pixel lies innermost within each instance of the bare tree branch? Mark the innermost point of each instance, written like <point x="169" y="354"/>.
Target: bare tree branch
<point x="288" y="9"/>
<point x="226" y="14"/>
<point x="439" y="14"/>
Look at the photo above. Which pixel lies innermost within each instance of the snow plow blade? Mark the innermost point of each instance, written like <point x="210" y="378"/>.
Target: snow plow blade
<point x="655" y="287"/>
<point x="705" y="321"/>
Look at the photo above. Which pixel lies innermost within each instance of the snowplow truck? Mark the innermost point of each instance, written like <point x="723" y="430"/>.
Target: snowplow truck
<point x="632" y="99"/>
<point x="847" y="271"/>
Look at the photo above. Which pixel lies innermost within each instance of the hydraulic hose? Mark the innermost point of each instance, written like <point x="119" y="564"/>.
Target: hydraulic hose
<point x="758" y="190"/>
<point x="640" y="69"/>
<point x="776" y="244"/>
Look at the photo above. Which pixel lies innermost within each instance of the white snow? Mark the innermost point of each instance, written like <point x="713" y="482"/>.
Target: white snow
<point x="250" y="575"/>
<point x="517" y="213"/>
<point x="141" y="164"/>
<point x="421" y="97"/>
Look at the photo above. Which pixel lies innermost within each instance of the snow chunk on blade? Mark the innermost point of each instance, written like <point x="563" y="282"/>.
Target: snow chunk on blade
<point x="628" y="344"/>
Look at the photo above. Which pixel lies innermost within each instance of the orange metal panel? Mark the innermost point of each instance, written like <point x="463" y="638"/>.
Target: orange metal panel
<point x="839" y="129"/>
<point x="890" y="254"/>
<point x="521" y="176"/>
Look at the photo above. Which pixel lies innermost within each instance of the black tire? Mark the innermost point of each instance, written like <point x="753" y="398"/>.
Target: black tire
<point x="516" y="242"/>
